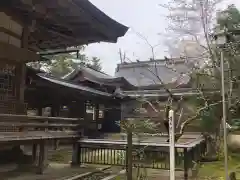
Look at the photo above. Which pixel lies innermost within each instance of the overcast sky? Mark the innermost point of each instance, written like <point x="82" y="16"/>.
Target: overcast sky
<point x="142" y="16"/>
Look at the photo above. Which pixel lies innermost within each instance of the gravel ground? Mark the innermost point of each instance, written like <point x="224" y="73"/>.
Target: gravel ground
<point x="53" y="172"/>
<point x="154" y="175"/>
<point x="101" y="175"/>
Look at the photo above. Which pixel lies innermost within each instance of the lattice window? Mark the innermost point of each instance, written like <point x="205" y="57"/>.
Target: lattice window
<point x="9" y="104"/>
<point x="7" y="82"/>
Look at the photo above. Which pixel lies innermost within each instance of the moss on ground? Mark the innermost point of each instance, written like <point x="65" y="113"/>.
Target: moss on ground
<point x="215" y="170"/>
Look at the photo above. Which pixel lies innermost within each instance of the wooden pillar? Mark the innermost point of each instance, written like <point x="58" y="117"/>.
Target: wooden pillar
<point x="34" y="153"/>
<point x="39" y="111"/>
<point x="42" y="159"/>
<point x="83" y="109"/>
<point x="232" y="176"/>
<point x="129" y="155"/>
<point x="76" y="154"/>
<point x="55" y="109"/>
<point x="53" y="114"/>
<point x="22" y="66"/>
<point x="186" y="163"/>
<point x="96" y="114"/>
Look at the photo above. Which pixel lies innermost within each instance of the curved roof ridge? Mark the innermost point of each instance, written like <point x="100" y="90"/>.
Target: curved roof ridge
<point x="69" y="74"/>
<point x="119" y="28"/>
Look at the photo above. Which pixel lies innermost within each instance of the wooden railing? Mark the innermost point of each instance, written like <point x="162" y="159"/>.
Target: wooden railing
<point x="24" y="122"/>
<point x="146" y="153"/>
<point x="30" y="128"/>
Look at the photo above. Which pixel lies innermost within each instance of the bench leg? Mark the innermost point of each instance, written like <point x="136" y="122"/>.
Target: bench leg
<point x="76" y="154"/>
<point x="56" y="144"/>
<point x="42" y="159"/>
<point x="34" y="153"/>
<point x="186" y="163"/>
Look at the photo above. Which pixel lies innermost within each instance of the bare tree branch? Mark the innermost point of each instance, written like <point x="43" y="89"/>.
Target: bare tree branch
<point x="183" y="125"/>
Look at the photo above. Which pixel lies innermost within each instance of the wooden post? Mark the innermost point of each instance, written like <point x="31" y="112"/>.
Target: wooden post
<point x="232" y="176"/>
<point x="129" y="154"/>
<point x="39" y="111"/>
<point x="34" y="153"/>
<point x="53" y="112"/>
<point x="96" y="114"/>
<point x="22" y="66"/>
<point x="42" y="159"/>
<point x="172" y="144"/>
<point x="76" y="154"/>
<point x="186" y="164"/>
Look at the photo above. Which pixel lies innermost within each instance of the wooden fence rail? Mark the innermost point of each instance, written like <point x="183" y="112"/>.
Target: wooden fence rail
<point x="19" y="123"/>
<point x="145" y="154"/>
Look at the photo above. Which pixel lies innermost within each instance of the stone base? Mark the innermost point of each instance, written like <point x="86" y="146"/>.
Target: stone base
<point x="234" y="142"/>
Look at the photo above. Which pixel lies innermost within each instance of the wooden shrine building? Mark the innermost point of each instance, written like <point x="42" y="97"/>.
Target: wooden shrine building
<point x="28" y="27"/>
<point x="150" y="80"/>
<point x="74" y="97"/>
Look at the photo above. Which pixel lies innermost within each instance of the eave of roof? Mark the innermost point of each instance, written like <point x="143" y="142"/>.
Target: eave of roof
<point x="63" y="23"/>
<point x="74" y="86"/>
<point x="98" y="77"/>
<point x="162" y="93"/>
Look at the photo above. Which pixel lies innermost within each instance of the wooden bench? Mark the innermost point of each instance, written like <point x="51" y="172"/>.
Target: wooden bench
<point x="37" y="131"/>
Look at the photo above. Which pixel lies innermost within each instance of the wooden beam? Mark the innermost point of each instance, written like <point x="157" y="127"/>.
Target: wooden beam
<point x="40" y="118"/>
<point x="59" y="51"/>
<point x="38" y="125"/>
<point x="76" y="154"/>
<point x="34" y="153"/>
<point x="9" y="32"/>
<point x="13" y="53"/>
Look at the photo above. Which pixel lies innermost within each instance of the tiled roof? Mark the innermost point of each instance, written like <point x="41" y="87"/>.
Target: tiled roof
<point x="150" y="73"/>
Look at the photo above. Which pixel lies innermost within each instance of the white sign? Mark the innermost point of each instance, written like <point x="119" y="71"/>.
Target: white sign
<point x="172" y="144"/>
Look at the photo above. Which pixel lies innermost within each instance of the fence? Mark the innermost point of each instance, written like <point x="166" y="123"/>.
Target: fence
<point x="144" y="154"/>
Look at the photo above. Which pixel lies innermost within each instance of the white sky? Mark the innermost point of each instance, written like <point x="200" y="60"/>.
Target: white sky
<point x="143" y="16"/>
